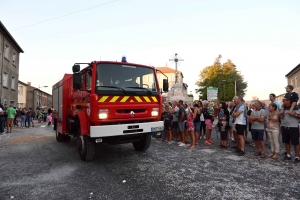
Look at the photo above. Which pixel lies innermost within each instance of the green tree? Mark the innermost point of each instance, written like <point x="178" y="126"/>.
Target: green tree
<point x="224" y="77"/>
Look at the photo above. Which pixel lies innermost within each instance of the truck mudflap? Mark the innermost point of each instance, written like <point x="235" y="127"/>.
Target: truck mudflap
<point x="125" y="129"/>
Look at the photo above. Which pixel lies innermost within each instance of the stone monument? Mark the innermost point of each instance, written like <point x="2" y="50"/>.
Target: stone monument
<point x="178" y="92"/>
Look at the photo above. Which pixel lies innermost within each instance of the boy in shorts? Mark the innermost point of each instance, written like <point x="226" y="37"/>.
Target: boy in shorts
<point x="224" y="131"/>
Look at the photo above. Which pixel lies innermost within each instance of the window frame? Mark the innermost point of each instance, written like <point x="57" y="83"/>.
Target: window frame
<point x="12" y="83"/>
<point x="6" y="51"/>
<point x="5" y="79"/>
<point x="14" y="58"/>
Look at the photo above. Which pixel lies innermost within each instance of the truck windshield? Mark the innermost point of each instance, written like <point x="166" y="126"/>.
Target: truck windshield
<point x="125" y="79"/>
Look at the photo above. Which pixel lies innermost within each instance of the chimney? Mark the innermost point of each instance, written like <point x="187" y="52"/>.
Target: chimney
<point x="29" y="83"/>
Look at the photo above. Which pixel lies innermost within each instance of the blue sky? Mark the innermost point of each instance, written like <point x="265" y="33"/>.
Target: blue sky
<point x="262" y="38"/>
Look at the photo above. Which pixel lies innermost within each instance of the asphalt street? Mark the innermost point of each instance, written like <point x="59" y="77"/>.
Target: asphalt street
<point x="35" y="166"/>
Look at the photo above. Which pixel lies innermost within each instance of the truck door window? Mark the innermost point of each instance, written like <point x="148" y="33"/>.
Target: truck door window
<point x="82" y="80"/>
<point x="148" y="82"/>
<point x="88" y="81"/>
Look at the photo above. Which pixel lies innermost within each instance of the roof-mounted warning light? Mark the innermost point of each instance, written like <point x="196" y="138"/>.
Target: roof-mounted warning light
<point x="124" y="59"/>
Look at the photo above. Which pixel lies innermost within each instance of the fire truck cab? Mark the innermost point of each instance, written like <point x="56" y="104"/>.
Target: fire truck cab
<point x="112" y="102"/>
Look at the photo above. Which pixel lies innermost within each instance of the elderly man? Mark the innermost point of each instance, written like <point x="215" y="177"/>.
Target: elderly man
<point x="239" y="115"/>
<point x="289" y="129"/>
<point x="258" y="117"/>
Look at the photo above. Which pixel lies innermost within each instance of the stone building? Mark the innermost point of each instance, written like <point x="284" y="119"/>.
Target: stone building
<point x="22" y="94"/>
<point x="37" y="98"/>
<point x="292" y="78"/>
<point x="32" y="97"/>
<point x="9" y="67"/>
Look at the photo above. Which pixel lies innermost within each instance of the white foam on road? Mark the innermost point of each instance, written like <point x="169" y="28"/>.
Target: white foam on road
<point x="43" y="126"/>
<point x="233" y="157"/>
<point x="207" y="150"/>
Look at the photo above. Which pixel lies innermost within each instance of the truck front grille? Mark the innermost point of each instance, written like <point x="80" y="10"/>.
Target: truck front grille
<point x="130" y="110"/>
<point x="133" y="131"/>
<point x="126" y="122"/>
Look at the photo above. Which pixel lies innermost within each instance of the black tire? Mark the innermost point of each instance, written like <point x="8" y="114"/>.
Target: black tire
<point x="55" y="124"/>
<point x="86" y="148"/>
<point x="143" y="144"/>
<point x="67" y="138"/>
<point x="59" y="136"/>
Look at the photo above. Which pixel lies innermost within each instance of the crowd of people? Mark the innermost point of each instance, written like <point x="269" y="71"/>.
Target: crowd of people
<point x="187" y="125"/>
<point x="21" y="117"/>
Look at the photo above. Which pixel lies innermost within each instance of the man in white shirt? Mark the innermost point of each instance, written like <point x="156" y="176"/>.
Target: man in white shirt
<point x="239" y="115"/>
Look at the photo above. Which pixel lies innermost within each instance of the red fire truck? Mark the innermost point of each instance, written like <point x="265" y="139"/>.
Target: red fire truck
<point x="112" y="102"/>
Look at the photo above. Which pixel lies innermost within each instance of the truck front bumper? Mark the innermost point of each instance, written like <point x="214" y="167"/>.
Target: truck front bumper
<point x="125" y="129"/>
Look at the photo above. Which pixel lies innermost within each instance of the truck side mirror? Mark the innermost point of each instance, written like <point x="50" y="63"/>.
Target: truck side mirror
<point x="77" y="81"/>
<point x="76" y="68"/>
<point x="165" y="85"/>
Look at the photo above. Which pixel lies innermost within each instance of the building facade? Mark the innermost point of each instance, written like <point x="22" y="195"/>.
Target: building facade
<point x="171" y="74"/>
<point x="38" y="99"/>
<point x="9" y="67"/>
<point x="22" y="94"/>
<point x="32" y="97"/>
<point x="292" y="78"/>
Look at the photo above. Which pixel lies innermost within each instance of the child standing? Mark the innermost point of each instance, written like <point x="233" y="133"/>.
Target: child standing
<point x="168" y="123"/>
<point x="190" y="128"/>
<point x="211" y="109"/>
<point x="49" y="119"/>
<point x="224" y="131"/>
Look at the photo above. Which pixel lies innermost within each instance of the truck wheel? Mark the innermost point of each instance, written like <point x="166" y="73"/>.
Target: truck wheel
<point x="67" y="138"/>
<point x="59" y="136"/>
<point x="144" y="144"/>
<point x="86" y="148"/>
<point x="55" y="124"/>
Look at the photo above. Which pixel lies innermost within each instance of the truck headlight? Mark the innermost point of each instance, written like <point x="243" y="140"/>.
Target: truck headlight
<point x="155" y="112"/>
<point x="103" y="114"/>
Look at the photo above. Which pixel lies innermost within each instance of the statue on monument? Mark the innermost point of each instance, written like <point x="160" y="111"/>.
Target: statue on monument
<point x="179" y="89"/>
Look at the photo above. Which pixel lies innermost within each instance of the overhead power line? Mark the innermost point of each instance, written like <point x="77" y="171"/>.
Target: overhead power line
<point x="103" y="4"/>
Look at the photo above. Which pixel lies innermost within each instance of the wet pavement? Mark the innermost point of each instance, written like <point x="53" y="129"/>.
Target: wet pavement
<point x="35" y="166"/>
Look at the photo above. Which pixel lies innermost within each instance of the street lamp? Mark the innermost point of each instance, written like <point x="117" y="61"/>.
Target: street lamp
<point x="235" y="82"/>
